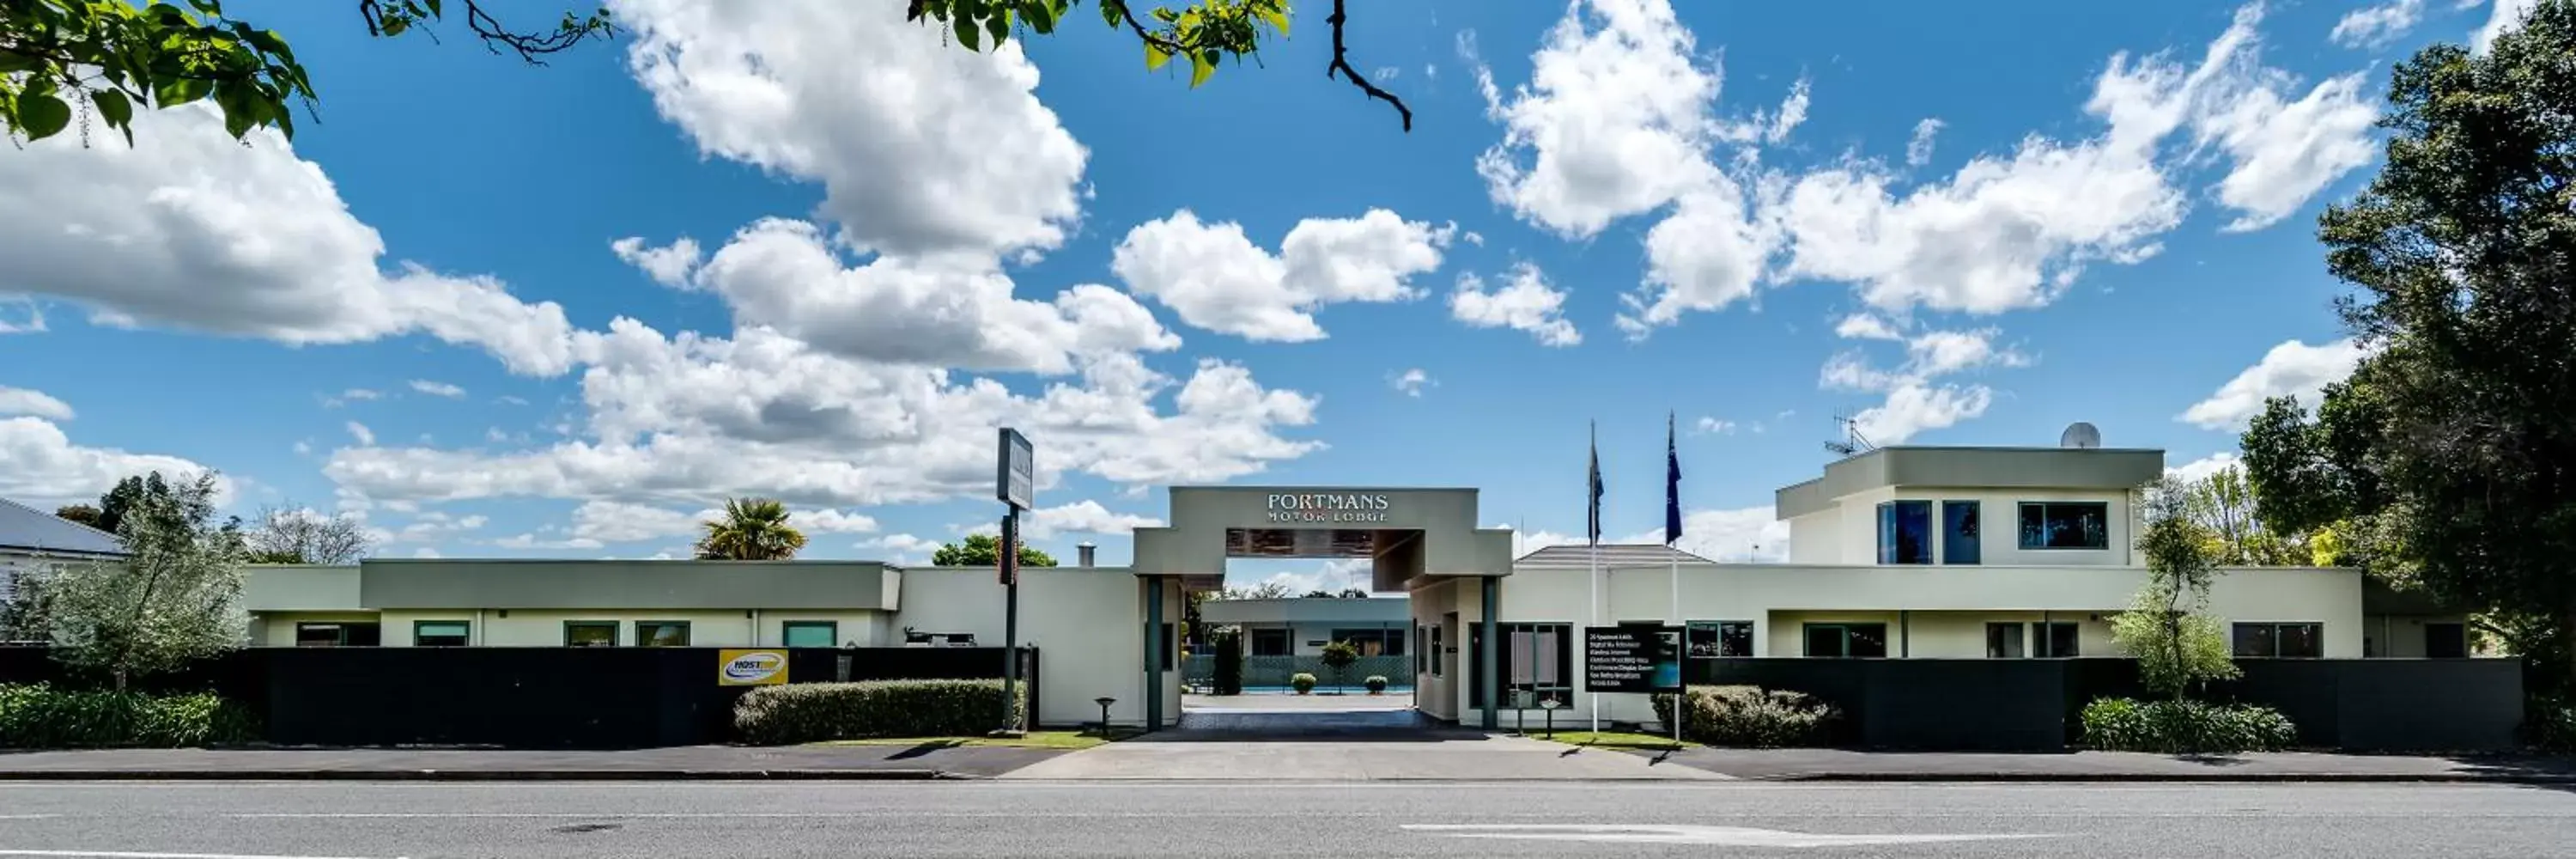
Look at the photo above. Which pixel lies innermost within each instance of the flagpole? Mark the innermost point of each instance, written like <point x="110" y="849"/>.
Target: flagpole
<point x="1592" y="580"/>
<point x="1673" y="536"/>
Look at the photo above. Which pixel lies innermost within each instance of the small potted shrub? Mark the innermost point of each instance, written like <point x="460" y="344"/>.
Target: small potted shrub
<point x="1376" y="684"/>
<point x="1303" y="682"/>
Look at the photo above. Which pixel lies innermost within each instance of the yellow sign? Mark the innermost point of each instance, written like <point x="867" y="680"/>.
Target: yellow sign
<point x="751" y="667"/>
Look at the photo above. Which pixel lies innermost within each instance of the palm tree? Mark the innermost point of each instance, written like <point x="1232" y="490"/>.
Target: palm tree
<point x="751" y="529"/>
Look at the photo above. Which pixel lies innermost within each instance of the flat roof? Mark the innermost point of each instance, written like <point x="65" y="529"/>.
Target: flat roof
<point x="1972" y="467"/>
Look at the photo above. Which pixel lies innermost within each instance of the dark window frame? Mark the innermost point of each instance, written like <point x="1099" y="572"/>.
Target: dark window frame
<point x="341" y="628"/>
<point x="2463" y="648"/>
<point x="1807" y="631"/>
<point x="2273" y="639"/>
<point x="1720" y="629"/>
<point x="831" y="628"/>
<point x="2015" y="647"/>
<point x="610" y="625"/>
<point x="465" y="638"/>
<point x="1974" y="535"/>
<point x="2022" y="533"/>
<point x="687" y="634"/>
<point x="1891" y="528"/>
<point x="1562" y="689"/>
<point x="2043" y="639"/>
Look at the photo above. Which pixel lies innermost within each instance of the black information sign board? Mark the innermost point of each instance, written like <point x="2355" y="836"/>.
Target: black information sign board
<point x="1640" y="659"/>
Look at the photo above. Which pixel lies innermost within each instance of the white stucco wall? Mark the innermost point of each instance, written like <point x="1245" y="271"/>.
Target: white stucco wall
<point x="530" y="628"/>
<point x="1848" y="532"/>
<point x="1086" y="622"/>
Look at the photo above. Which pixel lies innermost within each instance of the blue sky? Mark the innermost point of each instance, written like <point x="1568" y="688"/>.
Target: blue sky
<point x="1959" y="227"/>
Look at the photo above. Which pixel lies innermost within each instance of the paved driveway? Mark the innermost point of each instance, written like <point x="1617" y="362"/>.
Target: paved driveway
<point x="1305" y="741"/>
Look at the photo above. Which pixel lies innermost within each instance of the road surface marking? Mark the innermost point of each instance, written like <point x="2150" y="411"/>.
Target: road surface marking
<point x="120" y="854"/>
<point x="1731" y="836"/>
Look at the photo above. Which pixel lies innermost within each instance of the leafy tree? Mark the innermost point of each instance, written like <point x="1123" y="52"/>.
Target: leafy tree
<point x="295" y="535"/>
<point x="1202" y="34"/>
<point x="2177" y="647"/>
<point x="1340" y="656"/>
<point x="1354" y="594"/>
<point x="1318" y="594"/>
<point x="985" y="550"/>
<point x="2223" y="506"/>
<point x="81" y="513"/>
<point x="750" y="529"/>
<point x="126" y="495"/>
<point x="2451" y="451"/>
<point x="172" y="600"/>
<point x="61" y="59"/>
<point x="1262" y="591"/>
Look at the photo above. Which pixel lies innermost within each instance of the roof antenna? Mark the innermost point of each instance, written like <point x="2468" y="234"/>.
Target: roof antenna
<point x="1852" y="441"/>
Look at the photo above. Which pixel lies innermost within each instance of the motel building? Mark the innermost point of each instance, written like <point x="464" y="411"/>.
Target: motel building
<point x="1895" y="553"/>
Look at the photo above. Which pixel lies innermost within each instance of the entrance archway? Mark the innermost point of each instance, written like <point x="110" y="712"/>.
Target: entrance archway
<point x="1414" y="540"/>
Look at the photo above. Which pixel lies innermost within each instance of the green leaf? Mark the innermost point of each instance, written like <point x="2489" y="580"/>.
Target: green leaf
<point x="1278" y="20"/>
<point x="1114" y="12"/>
<point x="394" y="26"/>
<point x="1041" y="15"/>
<point x="1200" y="69"/>
<point x="966" y="33"/>
<point x="16" y="63"/>
<point x="999" y="25"/>
<point x="42" y="116"/>
<point x="1155" y="57"/>
<point x="112" y="106"/>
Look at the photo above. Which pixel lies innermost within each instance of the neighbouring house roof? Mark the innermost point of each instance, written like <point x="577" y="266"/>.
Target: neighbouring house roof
<point x="1610" y="555"/>
<point x="27" y="529"/>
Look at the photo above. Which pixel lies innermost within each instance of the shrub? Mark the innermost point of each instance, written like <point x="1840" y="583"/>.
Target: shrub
<point x="1229" y="660"/>
<point x="1376" y="684"/>
<point x="1302" y="682"/>
<point x="40" y="717"/>
<point x="809" y="712"/>
<point x="1751" y="717"/>
<point x="2184" y="727"/>
<point x="2552" y="725"/>
<point x="1340" y="656"/>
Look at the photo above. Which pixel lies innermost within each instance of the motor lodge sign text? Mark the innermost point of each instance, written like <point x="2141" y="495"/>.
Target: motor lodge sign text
<point x="1328" y="507"/>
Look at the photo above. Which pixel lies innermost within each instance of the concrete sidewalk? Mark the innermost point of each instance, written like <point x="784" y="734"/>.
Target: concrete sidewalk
<point x="666" y="764"/>
<point x="1840" y="765"/>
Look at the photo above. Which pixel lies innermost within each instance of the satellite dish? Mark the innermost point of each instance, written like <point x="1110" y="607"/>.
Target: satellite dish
<point x="2080" y="435"/>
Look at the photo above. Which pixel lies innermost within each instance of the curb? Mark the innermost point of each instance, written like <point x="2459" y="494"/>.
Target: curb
<point x="484" y="775"/>
<point x="2202" y="778"/>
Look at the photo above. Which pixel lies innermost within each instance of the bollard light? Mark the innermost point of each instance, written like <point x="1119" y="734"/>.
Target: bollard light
<point x="1104" y="703"/>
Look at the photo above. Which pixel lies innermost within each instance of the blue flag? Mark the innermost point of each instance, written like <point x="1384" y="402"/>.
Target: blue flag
<point x="1672" y="484"/>
<point x="1592" y="530"/>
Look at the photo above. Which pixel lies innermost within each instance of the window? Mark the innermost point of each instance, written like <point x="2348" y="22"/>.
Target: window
<point x="1905" y="532"/>
<point x="1270" y="642"/>
<point x="2280" y="640"/>
<point x="1959" y="533"/>
<point x="2065" y="525"/>
<point x="441" y="633"/>
<point x="1163" y="644"/>
<point x="1439" y="655"/>
<point x="2003" y="641"/>
<point x="1709" y="640"/>
<point x="1847" y="640"/>
<point x="2054" y="640"/>
<point x="809" y="633"/>
<point x="338" y="635"/>
<point x="1373" y="642"/>
<point x="661" y="633"/>
<point x="590" y="633"/>
<point x="1536" y="664"/>
<point x="2446" y="641"/>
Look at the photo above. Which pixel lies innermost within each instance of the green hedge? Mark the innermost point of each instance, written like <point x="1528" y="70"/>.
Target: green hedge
<point x="810" y="712"/>
<point x="41" y="717"/>
<point x="1752" y="717"/>
<point x="2184" y="727"/>
<point x="2550" y="724"/>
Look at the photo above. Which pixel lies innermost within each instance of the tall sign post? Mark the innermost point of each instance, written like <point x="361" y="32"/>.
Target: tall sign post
<point x="1015" y="485"/>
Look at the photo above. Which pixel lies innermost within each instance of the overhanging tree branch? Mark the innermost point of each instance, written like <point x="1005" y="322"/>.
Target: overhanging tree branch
<point x="1341" y="66"/>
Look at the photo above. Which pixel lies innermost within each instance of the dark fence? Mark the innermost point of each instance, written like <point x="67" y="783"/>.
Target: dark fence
<point x="1271" y="673"/>
<point x="2036" y="704"/>
<point x="526" y="697"/>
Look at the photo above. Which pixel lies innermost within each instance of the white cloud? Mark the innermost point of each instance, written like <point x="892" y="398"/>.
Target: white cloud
<point x="1525" y="303"/>
<point x="361" y="433"/>
<point x="618" y="522"/>
<point x="1918" y="150"/>
<point x="2205" y="466"/>
<point x="1525" y="542"/>
<point x="2291" y="369"/>
<point x="1865" y="326"/>
<point x="1613" y="122"/>
<point x="425" y="552"/>
<point x="2506" y="15"/>
<point x="1411" y="382"/>
<point x="1750" y="535"/>
<point x="669" y="265"/>
<point x="905" y="547"/>
<point x="1081" y="517"/>
<point x="947" y="311"/>
<point x="437" y="389"/>
<point x="1914" y="402"/>
<point x="429" y="526"/>
<point x="31" y="403"/>
<point x="40" y="465"/>
<point x="193" y="229"/>
<point x="1915" y="407"/>
<point x="775" y="85"/>
<point x="532" y="541"/>
<point x="1330" y="576"/>
<point x="1709" y="253"/>
<point x="2287" y="151"/>
<point x="1217" y="279"/>
<point x="1709" y="425"/>
<point x="2377" y="26"/>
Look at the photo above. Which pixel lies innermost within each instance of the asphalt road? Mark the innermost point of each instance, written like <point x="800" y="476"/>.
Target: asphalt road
<point x="781" y="819"/>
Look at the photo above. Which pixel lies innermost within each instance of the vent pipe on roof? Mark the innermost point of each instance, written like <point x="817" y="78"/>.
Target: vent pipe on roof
<point x="1083" y="551"/>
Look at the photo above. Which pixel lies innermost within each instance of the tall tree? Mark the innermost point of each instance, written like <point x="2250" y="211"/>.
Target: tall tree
<point x="174" y="598"/>
<point x="298" y="535"/>
<point x="2224" y="507"/>
<point x="750" y="529"/>
<point x="1262" y="591"/>
<point x="81" y="513"/>
<point x="985" y="550"/>
<point x="2177" y="645"/>
<point x="2454" y="438"/>
<point x="126" y="495"/>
